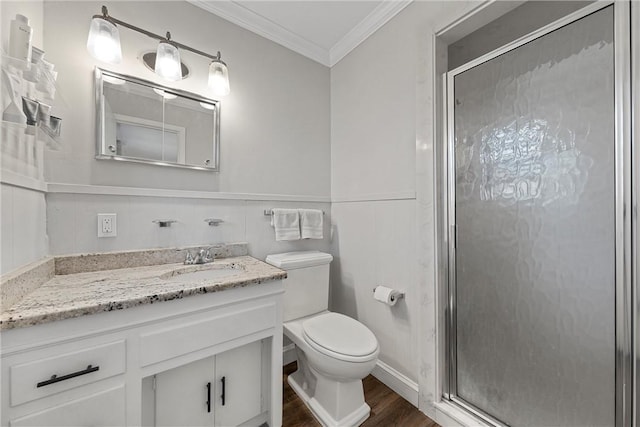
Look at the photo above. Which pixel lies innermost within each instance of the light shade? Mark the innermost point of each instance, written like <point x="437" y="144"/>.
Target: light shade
<point x="104" y="41"/>
<point x="219" y="77"/>
<point x="168" y="62"/>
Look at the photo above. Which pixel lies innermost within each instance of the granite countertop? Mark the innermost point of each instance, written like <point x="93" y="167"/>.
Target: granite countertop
<point x="66" y="296"/>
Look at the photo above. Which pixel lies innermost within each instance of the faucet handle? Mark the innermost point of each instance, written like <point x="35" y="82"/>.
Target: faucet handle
<point x="188" y="258"/>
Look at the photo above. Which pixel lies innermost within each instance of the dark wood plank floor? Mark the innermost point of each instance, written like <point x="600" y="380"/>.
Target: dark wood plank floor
<point x="387" y="408"/>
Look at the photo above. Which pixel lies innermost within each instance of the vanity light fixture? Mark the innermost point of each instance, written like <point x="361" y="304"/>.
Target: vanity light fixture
<point x="104" y="44"/>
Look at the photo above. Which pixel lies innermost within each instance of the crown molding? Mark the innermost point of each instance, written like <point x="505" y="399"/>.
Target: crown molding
<point x="234" y="12"/>
<point x="249" y="20"/>
<point x="369" y="25"/>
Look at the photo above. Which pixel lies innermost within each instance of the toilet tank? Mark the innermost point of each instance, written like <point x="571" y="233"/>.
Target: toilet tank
<point x="306" y="288"/>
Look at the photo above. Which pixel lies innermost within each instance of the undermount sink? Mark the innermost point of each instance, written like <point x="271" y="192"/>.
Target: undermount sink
<point x="203" y="272"/>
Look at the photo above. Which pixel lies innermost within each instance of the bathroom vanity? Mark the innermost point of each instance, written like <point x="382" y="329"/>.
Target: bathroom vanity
<point x="160" y="344"/>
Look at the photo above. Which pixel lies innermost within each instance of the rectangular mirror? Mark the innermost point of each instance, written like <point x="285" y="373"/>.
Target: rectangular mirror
<point x="141" y="121"/>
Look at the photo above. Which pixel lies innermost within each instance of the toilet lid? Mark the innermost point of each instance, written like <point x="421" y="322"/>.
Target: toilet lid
<point x="340" y="334"/>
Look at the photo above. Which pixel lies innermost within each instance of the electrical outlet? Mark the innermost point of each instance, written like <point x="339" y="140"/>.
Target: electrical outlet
<point x="107" y="225"/>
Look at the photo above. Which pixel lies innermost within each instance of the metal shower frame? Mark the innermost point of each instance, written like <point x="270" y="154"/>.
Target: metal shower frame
<point x="626" y="110"/>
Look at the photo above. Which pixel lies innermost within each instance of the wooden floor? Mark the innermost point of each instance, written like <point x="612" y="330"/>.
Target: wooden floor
<point x="387" y="408"/>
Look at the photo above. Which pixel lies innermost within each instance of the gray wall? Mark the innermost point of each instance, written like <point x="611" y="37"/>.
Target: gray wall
<point x="275" y="130"/>
<point x="274" y="124"/>
<point x="274" y="135"/>
<point x="382" y="103"/>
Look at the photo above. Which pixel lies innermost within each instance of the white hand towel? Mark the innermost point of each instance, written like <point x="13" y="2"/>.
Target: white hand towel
<point x="311" y="223"/>
<point x="287" y="224"/>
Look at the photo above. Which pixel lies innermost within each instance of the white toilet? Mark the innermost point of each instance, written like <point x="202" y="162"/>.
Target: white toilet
<point x="335" y="352"/>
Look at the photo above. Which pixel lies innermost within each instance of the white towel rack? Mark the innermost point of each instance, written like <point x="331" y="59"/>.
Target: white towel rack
<point x="269" y="212"/>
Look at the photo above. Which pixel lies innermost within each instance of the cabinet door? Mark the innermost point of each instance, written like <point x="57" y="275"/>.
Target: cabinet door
<point x="106" y="408"/>
<point x="181" y="395"/>
<point x="241" y="369"/>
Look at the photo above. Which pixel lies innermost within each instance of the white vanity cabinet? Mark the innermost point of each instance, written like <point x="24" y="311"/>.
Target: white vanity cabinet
<point x="222" y="390"/>
<point x="104" y="364"/>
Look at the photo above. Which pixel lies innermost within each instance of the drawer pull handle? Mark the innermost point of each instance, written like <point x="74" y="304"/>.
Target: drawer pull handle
<point x="55" y="379"/>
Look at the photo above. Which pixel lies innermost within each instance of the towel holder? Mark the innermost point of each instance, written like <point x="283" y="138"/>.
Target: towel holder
<point x="164" y="222"/>
<point x="269" y="212"/>
<point x="214" y="222"/>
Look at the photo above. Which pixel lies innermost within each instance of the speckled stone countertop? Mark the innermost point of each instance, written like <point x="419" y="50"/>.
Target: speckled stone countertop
<point x="78" y="294"/>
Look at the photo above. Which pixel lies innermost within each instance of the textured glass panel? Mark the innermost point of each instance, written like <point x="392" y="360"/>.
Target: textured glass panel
<point x="535" y="284"/>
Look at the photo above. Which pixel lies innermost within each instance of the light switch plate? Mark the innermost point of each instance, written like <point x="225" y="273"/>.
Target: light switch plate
<point x="107" y="226"/>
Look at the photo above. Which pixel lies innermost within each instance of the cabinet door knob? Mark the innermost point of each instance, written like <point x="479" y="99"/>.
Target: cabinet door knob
<point x="224" y="384"/>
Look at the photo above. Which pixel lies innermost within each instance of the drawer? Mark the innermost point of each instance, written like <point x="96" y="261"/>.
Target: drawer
<point x="34" y="380"/>
<point x="106" y="408"/>
<point x="192" y="335"/>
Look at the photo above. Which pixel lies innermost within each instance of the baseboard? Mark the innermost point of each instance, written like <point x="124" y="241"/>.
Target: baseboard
<point x="289" y="354"/>
<point x="397" y="382"/>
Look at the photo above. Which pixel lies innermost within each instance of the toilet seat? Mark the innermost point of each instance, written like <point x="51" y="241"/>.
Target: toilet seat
<point x="340" y="337"/>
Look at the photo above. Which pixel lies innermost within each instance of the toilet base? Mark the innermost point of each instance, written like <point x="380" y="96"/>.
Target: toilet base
<point x="333" y="403"/>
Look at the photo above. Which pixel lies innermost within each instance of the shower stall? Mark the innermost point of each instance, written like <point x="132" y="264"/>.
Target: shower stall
<point x="538" y="187"/>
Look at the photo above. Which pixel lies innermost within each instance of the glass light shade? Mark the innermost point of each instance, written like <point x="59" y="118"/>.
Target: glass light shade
<point x="219" y="78"/>
<point x="104" y="41"/>
<point x="168" y="62"/>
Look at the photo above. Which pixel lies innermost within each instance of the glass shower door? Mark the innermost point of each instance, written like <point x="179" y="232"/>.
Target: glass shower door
<point x="532" y="202"/>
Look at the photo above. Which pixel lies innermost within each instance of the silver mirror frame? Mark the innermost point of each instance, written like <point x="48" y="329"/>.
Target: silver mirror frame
<point x="99" y="120"/>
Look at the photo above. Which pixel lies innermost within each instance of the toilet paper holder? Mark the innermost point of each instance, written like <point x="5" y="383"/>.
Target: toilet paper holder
<point x="393" y="297"/>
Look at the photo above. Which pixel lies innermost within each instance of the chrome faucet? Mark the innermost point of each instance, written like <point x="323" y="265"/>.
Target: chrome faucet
<point x="202" y="257"/>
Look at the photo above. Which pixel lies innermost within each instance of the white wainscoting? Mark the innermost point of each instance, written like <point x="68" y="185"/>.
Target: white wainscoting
<point x="74" y="209"/>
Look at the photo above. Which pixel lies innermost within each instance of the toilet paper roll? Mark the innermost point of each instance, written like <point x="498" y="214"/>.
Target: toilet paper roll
<point x="386" y="295"/>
